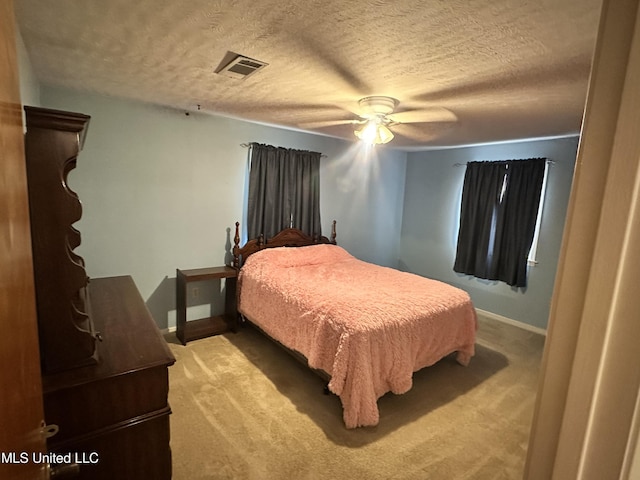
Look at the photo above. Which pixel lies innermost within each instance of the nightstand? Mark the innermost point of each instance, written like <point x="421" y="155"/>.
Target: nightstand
<point x="205" y="327"/>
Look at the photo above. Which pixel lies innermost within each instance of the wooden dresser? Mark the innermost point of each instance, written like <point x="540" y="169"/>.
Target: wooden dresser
<point x="117" y="408"/>
<point x="104" y="361"/>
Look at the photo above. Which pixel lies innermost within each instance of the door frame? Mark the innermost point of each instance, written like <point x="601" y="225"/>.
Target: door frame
<point x="21" y="410"/>
<point x="588" y="393"/>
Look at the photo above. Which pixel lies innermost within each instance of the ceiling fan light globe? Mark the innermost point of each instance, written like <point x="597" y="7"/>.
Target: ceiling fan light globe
<point x="359" y="133"/>
<point x="368" y="133"/>
<point x="384" y="135"/>
<point x="374" y="133"/>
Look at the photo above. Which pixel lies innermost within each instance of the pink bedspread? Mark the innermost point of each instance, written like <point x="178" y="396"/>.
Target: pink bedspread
<point x="369" y="327"/>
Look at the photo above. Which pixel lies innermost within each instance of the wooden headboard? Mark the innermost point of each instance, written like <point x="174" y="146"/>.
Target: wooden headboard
<point x="289" y="237"/>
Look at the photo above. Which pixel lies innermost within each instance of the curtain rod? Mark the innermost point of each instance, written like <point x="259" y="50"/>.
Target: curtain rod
<point x="248" y="145"/>
<point x="549" y="162"/>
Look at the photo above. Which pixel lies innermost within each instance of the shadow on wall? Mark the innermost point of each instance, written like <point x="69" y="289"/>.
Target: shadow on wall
<point x="205" y="298"/>
<point x="470" y="279"/>
<point x="228" y="255"/>
<point x="162" y="301"/>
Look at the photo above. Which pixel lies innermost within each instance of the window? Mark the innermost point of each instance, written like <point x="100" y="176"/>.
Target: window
<point x="533" y="252"/>
<point x="498" y="216"/>
<point x="284" y="191"/>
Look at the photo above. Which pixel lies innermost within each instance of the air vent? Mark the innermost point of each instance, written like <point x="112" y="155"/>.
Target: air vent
<point x="241" y="67"/>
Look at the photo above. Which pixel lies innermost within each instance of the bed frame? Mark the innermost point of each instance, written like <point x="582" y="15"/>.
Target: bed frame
<point x="289" y="237"/>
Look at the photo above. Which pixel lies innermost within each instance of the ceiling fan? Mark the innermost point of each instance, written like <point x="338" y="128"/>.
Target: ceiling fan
<point x="378" y="119"/>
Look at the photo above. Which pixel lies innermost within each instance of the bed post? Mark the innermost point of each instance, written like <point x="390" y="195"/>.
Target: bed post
<point x="333" y="232"/>
<point x="236" y="247"/>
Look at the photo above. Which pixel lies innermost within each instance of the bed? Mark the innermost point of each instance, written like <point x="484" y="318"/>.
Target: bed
<point x="363" y="327"/>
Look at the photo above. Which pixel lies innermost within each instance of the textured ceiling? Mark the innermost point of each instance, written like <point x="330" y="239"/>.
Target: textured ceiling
<point x="507" y="69"/>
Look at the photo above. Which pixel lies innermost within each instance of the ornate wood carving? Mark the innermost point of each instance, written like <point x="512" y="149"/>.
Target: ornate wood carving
<point x="52" y="144"/>
<point x="289" y="237"/>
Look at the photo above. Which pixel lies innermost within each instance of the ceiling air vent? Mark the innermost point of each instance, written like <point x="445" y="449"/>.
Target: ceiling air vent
<point x="241" y="67"/>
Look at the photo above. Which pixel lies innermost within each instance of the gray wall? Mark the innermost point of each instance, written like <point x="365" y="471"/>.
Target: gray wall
<point x="431" y="214"/>
<point x="160" y="190"/>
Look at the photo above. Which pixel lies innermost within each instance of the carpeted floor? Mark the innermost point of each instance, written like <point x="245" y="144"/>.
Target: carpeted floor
<point x="244" y="409"/>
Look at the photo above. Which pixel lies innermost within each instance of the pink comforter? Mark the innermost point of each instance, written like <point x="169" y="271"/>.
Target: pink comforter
<point x="369" y="327"/>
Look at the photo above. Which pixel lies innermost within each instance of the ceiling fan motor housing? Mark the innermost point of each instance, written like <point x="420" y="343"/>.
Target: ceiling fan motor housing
<point x="376" y="106"/>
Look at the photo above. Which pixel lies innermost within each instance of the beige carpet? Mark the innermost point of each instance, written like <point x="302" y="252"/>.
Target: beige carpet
<point x="244" y="409"/>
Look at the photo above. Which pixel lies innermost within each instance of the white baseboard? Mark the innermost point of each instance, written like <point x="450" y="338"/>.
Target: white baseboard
<point x="510" y="321"/>
<point x="164" y="331"/>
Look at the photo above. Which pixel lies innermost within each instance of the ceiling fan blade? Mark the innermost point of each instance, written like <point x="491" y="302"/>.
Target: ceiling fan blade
<point x="424" y="115"/>
<point x="422" y="133"/>
<point x="314" y="50"/>
<point x="328" y="123"/>
<point x="519" y="81"/>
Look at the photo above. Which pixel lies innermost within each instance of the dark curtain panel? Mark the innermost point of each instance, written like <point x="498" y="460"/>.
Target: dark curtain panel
<point x="284" y="191"/>
<point x="305" y="202"/>
<point x="497" y="219"/>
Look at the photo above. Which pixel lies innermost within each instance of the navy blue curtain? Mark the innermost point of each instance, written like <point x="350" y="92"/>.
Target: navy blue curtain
<point x="284" y="191"/>
<point x="498" y="216"/>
